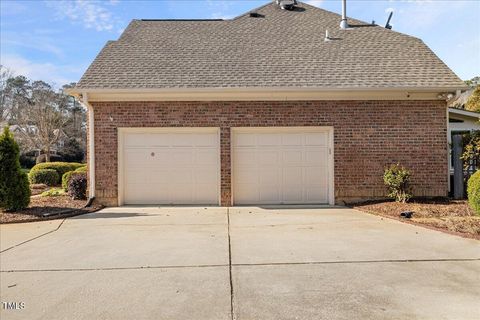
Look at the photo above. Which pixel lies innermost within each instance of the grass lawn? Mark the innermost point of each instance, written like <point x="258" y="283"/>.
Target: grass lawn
<point x="452" y="216"/>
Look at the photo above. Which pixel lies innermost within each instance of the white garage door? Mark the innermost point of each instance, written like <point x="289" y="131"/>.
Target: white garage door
<point x="170" y="166"/>
<point x="282" y="165"/>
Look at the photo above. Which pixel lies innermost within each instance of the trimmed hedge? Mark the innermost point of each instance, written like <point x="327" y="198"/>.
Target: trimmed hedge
<point x="82" y="169"/>
<point x="77" y="186"/>
<point x="67" y="175"/>
<point x="45" y="176"/>
<point x="60" y="167"/>
<point x="473" y="191"/>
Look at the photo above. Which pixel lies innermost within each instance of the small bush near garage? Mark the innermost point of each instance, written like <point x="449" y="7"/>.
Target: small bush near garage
<point x="397" y="180"/>
<point x="77" y="186"/>
<point x="60" y="167"/>
<point x="14" y="187"/>
<point x="45" y="176"/>
<point x="473" y="191"/>
<point x="67" y="175"/>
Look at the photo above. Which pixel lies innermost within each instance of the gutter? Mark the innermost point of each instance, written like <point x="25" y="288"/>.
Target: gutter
<point x="91" y="147"/>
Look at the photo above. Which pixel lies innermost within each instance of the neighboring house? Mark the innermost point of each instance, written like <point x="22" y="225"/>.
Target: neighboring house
<point x="263" y="109"/>
<point x="31" y="130"/>
<point x="460" y="121"/>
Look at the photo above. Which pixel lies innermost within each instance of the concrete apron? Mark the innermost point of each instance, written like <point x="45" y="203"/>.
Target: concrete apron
<point x="262" y="263"/>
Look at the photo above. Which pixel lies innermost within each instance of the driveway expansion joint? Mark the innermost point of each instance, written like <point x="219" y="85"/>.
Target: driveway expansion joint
<point x="232" y="313"/>
<point x="44" y="234"/>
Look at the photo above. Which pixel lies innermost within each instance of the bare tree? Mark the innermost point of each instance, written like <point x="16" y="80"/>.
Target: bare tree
<point x="5" y="74"/>
<point x="43" y="121"/>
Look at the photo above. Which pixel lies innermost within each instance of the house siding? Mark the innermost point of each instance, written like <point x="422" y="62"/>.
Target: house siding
<point x="368" y="136"/>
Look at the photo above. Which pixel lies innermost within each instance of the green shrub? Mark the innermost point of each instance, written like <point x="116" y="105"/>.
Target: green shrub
<point x="54" y="192"/>
<point x="45" y="176"/>
<point x="14" y="187"/>
<point x="473" y="191"/>
<point x="82" y="169"/>
<point x="397" y="180"/>
<point x="60" y="167"/>
<point x="65" y="179"/>
<point x="77" y="186"/>
<point x="67" y="175"/>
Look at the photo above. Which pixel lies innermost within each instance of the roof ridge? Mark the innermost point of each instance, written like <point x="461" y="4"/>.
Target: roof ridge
<point x="149" y="20"/>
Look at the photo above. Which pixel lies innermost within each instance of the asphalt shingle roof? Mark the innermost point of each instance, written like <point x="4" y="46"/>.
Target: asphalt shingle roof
<point x="281" y="49"/>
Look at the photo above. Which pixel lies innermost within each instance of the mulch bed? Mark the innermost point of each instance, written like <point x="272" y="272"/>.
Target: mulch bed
<point x="58" y="207"/>
<point x="451" y="216"/>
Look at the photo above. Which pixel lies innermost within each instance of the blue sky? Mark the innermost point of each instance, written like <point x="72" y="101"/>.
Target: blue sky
<point x="57" y="40"/>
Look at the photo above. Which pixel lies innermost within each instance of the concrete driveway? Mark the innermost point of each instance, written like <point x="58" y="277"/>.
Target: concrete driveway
<point x="236" y="263"/>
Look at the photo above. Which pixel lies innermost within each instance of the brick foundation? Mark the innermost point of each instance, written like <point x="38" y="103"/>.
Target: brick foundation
<point x="368" y="135"/>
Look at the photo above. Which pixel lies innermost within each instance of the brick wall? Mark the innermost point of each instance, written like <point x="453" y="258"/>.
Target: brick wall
<point x="368" y="135"/>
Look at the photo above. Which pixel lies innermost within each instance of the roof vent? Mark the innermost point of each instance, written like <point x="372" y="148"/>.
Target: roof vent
<point x="388" y="25"/>
<point x="327" y="36"/>
<point x="286" y="4"/>
<point x="344" y="23"/>
<point x="256" y="15"/>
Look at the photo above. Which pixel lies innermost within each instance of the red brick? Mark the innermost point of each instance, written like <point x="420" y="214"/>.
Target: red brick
<point x="368" y="136"/>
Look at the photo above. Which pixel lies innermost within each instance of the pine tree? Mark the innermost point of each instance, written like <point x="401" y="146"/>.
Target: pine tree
<point x="14" y="185"/>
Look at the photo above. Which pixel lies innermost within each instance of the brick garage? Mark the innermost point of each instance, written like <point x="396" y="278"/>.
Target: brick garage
<point x="368" y="135"/>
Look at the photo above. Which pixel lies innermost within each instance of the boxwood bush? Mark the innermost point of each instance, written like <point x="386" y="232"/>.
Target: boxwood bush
<point x="473" y="191"/>
<point x="60" y="167"/>
<point x="45" y="176"/>
<point x="77" y="186"/>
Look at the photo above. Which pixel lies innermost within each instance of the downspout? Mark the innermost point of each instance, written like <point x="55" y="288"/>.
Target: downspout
<point x="91" y="149"/>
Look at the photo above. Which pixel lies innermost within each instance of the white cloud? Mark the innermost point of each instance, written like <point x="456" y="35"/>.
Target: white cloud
<point x="219" y="9"/>
<point x="57" y="75"/>
<point x="33" y="40"/>
<point x="315" y="3"/>
<point x="91" y="14"/>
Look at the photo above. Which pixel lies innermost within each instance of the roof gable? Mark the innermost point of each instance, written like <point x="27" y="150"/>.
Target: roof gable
<point x="280" y="49"/>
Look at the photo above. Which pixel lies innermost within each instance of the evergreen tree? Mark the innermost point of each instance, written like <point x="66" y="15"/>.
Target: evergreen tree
<point x="14" y="185"/>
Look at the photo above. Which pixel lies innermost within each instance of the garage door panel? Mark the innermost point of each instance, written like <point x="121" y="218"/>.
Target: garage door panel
<point x="206" y="140"/>
<point x="281" y="167"/>
<point x="179" y="157"/>
<point x="206" y="157"/>
<point x="182" y="139"/>
<point x="293" y="195"/>
<point x="317" y="156"/>
<point x="293" y="139"/>
<point x="316" y="139"/>
<point x="269" y="195"/>
<point x="268" y="139"/>
<point x="315" y="175"/>
<point x="293" y="176"/>
<point x="245" y="156"/>
<point x="267" y="157"/>
<point x="292" y="156"/>
<point x="316" y="194"/>
<point x="246" y="194"/>
<point x="204" y="193"/>
<point x="171" y="167"/>
<point x="246" y="176"/>
<point x="245" y="140"/>
<point x="268" y="177"/>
